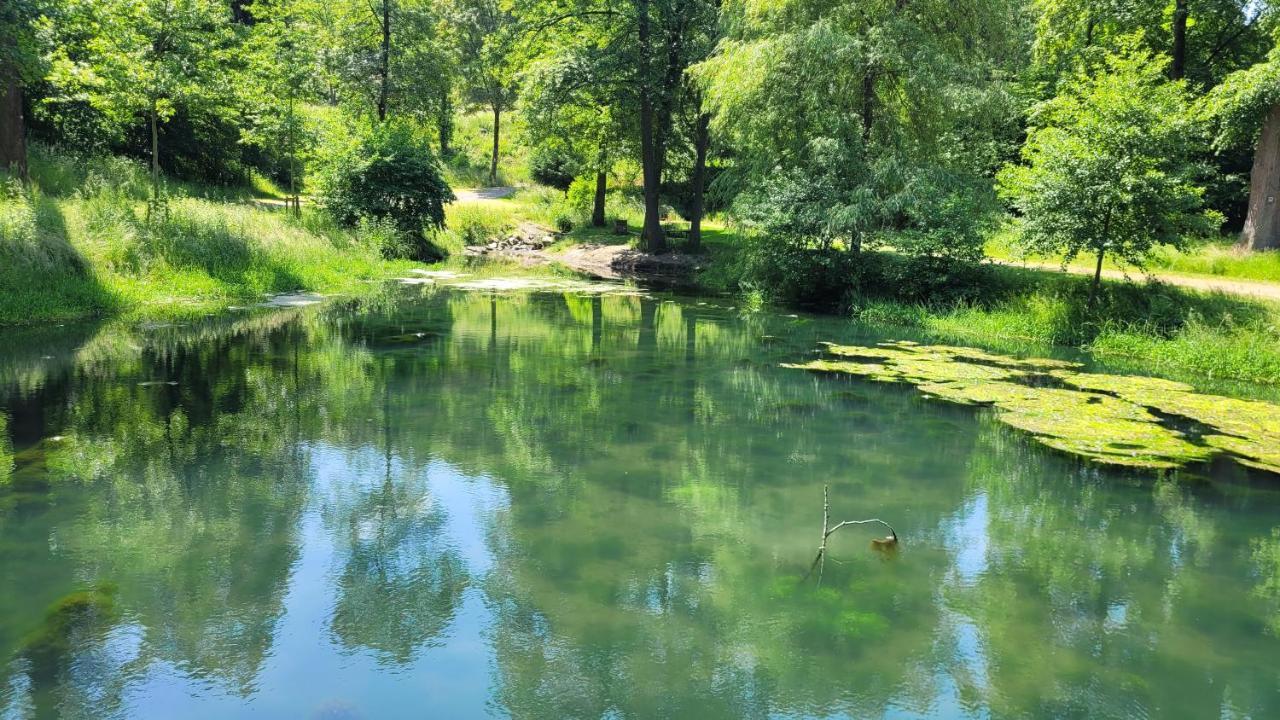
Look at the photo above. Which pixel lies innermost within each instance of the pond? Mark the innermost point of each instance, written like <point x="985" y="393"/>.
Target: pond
<point x="500" y="502"/>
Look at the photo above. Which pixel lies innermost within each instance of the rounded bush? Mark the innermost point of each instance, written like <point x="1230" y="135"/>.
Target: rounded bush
<point x="390" y="176"/>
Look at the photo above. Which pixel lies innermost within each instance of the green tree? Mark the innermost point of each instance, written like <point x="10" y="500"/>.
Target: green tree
<point x="272" y="88"/>
<point x="483" y="32"/>
<point x="1106" y="166"/>
<point x="576" y="109"/>
<point x="892" y="144"/>
<point x="1246" y="107"/>
<point x="145" y="57"/>
<point x="20" y="62"/>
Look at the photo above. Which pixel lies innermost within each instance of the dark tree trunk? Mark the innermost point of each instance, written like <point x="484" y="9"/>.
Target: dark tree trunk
<point x="701" y="140"/>
<point x="444" y="123"/>
<point x="597" y="208"/>
<point x="1097" y="278"/>
<point x="493" y="162"/>
<point x="868" y="104"/>
<point x="652" y="238"/>
<point x="13" y="143"/>
<point x="1178" y="67"/>
<point x="155" y="151"/>
<point x="1262" y="225"/>
<point x="384" y="70"/>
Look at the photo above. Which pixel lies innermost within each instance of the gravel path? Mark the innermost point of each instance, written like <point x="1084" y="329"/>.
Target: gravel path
<point x="1247" y="288"/>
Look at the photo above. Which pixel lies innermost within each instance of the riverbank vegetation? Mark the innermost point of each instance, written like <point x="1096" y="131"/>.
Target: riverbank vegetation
<point x="142" y="137"/>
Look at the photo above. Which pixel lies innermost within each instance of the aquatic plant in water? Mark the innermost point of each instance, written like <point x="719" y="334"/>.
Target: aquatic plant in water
<point x="1111" y="419"/>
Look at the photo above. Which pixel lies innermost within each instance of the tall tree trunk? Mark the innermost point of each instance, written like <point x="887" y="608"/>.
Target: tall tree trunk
<point x="652" y="238"/>
<point x="444" y="122"/>
<point x="1177" y="68"/>
<point x="1097" y="278"/>
<point x="13" y="143"/>
<point x="155" y="151"/>
<point x="597" y="208"/>
<point x="493" y="162"/>
<point x="384" y="69"/>
<point x="701" y="140"/>
<point x="868" y="104"/>
<point x="1262" y="225"/>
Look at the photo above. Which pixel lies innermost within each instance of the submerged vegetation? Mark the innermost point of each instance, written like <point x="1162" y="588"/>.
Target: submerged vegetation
<point x="1109" y="419"/>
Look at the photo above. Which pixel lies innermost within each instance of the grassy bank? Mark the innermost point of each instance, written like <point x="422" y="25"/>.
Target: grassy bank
<point x="1144" y="326"/>
<point x="76" y="242"/>
<point x="1219" y="257"/>
<point x="1152" y="327"/>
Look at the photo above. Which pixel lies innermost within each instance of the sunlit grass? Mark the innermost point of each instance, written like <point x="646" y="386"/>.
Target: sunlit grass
<point x="1217" y="258"/>
<point x="89" y="250"/>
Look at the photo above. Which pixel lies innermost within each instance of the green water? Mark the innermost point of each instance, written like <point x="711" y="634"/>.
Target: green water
<point x="454" y="505"/>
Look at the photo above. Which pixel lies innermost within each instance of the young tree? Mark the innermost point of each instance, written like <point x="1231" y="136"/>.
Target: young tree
<point x="1106" y="166"/>
<point x="144" y="57"/>
<point x="575" y="107"/>
<point x="483" y="32"/>
<point x="271" y="86"/>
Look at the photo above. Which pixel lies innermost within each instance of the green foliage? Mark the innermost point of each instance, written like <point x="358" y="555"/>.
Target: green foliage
<point x="1107" y="168"/>
<point x="475" y="223"/>
<point x="551" y="167"/>
<point x="87" y="249"/>
<point x="390" y="175"/>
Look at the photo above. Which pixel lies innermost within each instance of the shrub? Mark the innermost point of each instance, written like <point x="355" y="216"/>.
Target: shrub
<point x="552" y="167"/>
<point x="790" y="270"/>
<point x="564" y="223"/>
<point x="390" y="175"/>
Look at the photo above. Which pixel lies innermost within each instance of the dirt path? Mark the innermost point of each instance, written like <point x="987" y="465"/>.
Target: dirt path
<point x="489" y="193"/>
<point x="1247" y="288"/>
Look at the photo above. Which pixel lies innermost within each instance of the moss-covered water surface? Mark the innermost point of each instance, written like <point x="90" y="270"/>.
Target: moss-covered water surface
<point x="555" y="499"/>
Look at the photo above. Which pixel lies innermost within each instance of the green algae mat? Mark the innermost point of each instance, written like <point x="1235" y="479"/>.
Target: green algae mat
<point x="1110" y="419"/>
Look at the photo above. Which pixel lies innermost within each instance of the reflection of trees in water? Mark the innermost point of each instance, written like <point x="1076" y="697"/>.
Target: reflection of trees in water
<point x="649" y="562"/>
<point x="665" y="484"/>
<point x="1103" y="594"/>
<point x="400" y="584"/>
<point x="185" y="497"/>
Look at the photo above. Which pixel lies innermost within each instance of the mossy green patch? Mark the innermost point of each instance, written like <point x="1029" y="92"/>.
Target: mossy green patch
<point x="1104" y="418"/>
<point x="54" y="641"/>
<point x="1247" y="429"/>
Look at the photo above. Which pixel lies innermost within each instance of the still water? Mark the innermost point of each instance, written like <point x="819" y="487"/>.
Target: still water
<point x="455" y="505"/>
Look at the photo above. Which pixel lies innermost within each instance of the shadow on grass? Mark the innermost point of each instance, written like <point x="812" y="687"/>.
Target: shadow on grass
<point x="44" y="277"/>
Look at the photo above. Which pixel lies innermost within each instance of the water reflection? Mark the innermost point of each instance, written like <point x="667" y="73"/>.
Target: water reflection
<point x="546" y="506"/>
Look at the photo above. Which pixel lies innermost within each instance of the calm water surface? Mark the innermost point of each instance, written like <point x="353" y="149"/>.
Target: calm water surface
<point x="453" y="505"/>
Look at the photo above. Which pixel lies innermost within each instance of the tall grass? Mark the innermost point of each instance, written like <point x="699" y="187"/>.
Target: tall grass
<point x="1160" y="328"/>
<point x="78" y="242"/>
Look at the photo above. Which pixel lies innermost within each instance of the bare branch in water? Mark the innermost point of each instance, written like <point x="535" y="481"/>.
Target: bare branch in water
<point x="889" y="542"/>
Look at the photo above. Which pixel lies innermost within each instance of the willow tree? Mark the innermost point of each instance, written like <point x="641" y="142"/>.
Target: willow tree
<point x="851" y="120"/>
